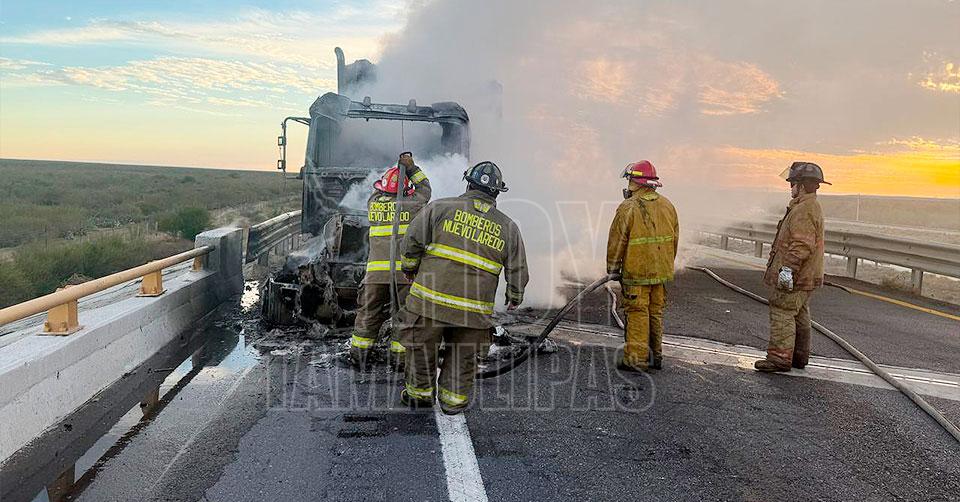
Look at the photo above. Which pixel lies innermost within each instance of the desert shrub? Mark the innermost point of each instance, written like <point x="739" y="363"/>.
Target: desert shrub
<point x="14" y="287"/>
<point x="37" y="270"/>
<point x="186" y="222"/>
<point x="48" y="268"/>
<point x="49" y="199"/>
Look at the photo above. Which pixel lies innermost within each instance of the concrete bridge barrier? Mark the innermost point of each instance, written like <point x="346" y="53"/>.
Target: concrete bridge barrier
<point x="45" y="378"/>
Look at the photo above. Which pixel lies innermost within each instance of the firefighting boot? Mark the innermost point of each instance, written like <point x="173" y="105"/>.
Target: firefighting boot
<point x="622" y="366"/>
<point x="768" y="366"/>
<point x="361" y="348"/>
<point x="452" y="410"/>
<point x="360" y="358"/>
<point x="414" y="402"/>
<point x="800" y="360"/>
<point x="657" y="363"/>
<point x="397" y="356"/>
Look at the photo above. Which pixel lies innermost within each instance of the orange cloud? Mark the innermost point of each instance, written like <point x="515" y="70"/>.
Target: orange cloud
<point x="735" y="88"/>
<point x="945" y="79"/>
<point x="924" y="169"/>
<point x="721" y="87"/>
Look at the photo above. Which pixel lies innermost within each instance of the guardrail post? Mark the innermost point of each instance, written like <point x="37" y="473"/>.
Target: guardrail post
<point x="852" y="262"/>
<point x="227" y="258"/>
<point x="62" y="319"/>
<point x="758" y="249"/>
<point x="152" y="284"/>
<point x="916" y="280"/>
<point x="724" y="242"/>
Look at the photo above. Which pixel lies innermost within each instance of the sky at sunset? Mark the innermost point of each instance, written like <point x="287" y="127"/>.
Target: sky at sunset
<point x="868" y="89"/>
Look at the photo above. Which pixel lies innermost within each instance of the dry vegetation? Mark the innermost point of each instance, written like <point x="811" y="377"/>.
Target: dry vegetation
<point x="63" y="220"/>
<point x="41" y="200"/>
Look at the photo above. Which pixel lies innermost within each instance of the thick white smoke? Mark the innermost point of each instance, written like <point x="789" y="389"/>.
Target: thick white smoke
<point x="445" y="173"/>
<point x="587" y="88"/>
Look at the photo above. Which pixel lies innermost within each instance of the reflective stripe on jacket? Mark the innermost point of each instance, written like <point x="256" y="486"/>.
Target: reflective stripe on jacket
<point x="643" y="239"/>
<point x="381" y="209"/>
<point x="799" y="245"/>
<point x="457" y="247"/>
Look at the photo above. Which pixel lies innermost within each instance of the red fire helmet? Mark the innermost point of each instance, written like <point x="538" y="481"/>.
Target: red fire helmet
<point x="388" y="183"/>
<point x="643" y="173"/>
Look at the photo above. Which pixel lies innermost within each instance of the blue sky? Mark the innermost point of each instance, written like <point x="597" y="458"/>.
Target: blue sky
<point x="112" y="75"/>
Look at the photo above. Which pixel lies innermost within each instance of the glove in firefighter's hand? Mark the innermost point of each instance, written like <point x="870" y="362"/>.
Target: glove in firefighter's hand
<point x="410" y="276"/>
<point x="785" y="279"/>
<point x="406" y="161"/>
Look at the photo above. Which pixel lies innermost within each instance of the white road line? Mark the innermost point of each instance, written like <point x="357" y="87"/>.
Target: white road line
<point x="702" y="351"/>
<point x="464" y="483"/>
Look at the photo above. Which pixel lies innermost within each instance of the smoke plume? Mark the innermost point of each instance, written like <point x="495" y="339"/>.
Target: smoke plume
<point x="586" y="89"/>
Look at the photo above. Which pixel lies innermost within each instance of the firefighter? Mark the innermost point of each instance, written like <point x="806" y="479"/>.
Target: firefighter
<point x="455" y="250"/>
<point x="794" y="270"/>
<point x="374" y="295"/>
<point x="641" y="249"/>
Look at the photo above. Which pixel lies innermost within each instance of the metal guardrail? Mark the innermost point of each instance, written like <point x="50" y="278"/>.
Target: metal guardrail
<point x="265" y="236"/>
<point x="918" y="256"/>
<point x="61" y="306"/>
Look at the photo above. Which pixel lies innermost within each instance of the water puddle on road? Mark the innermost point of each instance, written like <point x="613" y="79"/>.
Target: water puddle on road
<point x="100" y="430"/>
<point x="63" y="462"/>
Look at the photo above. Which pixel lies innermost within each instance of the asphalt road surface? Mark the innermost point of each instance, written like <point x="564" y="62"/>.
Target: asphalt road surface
<point x="292" y="422"/>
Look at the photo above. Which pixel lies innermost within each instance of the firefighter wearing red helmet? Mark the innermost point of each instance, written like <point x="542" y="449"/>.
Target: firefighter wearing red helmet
<point x="641" y="249"/>
<point x="374" y="296"/>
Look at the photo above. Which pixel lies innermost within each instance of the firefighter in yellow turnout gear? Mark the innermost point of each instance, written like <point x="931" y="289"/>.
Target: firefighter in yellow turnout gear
<point x="794" y="270"/>
<point x="456" y="249"/>
<point x="641" y="249"/>
<point x="374" y="296"/>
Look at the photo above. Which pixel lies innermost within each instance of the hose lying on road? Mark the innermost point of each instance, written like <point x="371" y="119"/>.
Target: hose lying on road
<point x="518" y="359"/>
<point x="902" y="387"/>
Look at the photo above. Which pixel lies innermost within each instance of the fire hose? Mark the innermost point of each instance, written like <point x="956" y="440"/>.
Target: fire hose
<point x="401" y="189"/>
<point x="519" y="359"/>
<point x="903" y="388"/>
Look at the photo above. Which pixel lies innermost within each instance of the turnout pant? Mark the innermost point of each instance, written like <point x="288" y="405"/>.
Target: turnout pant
<point x="373" y="311"/>
<point x="457" y="360"/>
<point x="789" y="328"/>
<point x="643" y="306"/>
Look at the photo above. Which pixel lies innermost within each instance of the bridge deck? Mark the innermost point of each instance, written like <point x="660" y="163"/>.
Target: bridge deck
<point x="295" y="424"/>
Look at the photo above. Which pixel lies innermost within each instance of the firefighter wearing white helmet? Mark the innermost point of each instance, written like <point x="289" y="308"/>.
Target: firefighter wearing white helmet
<point x="454" y="251"/>
<point x="641" y="249"/>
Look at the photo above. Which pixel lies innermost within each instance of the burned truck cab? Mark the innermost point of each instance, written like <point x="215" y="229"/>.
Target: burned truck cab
<point x="339" y="156"/>
<point x="346" y="149"/>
